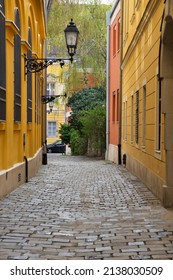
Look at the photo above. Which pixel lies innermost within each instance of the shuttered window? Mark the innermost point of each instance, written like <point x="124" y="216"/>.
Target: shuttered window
<point x="29" y="82"/>
<point x="2" y="64"/>
<point x="137" y="118"/>
<point x="125" y="120"/>
<point x="17" y="70"/>
<point x="144" y="116"/>
<point x="132" y="117"/>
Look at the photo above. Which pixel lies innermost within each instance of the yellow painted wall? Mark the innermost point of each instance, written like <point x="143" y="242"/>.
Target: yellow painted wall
<point x="20" y="139"/>
<point x="140" y="52"/>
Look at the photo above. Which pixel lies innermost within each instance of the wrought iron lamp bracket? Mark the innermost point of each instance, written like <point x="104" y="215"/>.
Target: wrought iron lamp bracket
<point x="49" y="98"/>
<point x="34" y="65"/>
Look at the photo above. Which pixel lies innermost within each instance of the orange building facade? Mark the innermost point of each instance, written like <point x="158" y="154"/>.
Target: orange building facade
<point x="113" y="84"/>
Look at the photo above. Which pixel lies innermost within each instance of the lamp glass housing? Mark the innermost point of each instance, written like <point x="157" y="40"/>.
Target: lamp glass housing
<point x="71" y="36"/>
<point x="51" y="103"/>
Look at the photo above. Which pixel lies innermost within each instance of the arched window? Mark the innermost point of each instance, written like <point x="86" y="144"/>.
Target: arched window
<point x="29" y="81"/>
<point x="17" y="70"/>
<point x="2" y="63"/>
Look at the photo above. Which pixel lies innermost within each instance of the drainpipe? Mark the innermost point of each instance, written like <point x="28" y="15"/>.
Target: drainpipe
<point x="108" y="13"/>
<point x="120" y="97"/>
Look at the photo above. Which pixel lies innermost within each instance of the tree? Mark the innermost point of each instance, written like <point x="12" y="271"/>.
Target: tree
<point x="90" y="17"/>
<point x="87" y="99"/>
<point x="65" y="132"/>
<point x="94" y="129"/>
<point x="87" y="124"/>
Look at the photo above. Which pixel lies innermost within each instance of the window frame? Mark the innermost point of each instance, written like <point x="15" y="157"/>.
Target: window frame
<point x="54" y="134"/>
<point x="17" y="69"/>
<point x="2" y="64"/>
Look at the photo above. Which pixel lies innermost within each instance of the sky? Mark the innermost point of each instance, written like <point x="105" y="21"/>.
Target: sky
<point x="107" y="1"/>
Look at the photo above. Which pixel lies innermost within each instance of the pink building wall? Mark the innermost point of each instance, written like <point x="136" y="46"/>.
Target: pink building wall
<point x="114" y="83"/>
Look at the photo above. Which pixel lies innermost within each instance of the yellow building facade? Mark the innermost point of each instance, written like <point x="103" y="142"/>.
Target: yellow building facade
<point x="22" y="32"/>
<point x="56" y="85"/>
<point x="147" y="115"/>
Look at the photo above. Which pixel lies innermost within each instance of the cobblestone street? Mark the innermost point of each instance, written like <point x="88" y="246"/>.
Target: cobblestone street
<point x="84" y="208"/>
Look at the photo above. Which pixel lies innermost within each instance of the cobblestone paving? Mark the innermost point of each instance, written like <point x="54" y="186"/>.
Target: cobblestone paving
<point x="82" y="208"/>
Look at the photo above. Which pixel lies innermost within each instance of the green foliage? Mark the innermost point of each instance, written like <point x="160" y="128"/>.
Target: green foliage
<point x="78" y="143"/>
<point x="94" y="128"/>
<point x="87" y="124"/>
<point x="65" y="132"/>
<point x="87" y="99"/>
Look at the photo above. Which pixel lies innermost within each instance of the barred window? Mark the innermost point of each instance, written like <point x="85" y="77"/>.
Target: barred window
<point x="17" y="70"/>
<point x="2" y="63"/>
<point x="29" y="81"/>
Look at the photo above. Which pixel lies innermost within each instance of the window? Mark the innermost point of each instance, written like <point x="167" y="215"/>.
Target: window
<point x="113" y="106"/>
<point x="50" y="88"/>
<point x="29" y="81"/>
<point x="118" y="104"/>
<point x="118" y="35"/>
<point x="137" y="118"/>
<point x="114" y="40"/>
<point x="2" y="63"/>
<point x="158" y="114"/>
<point x="132" y="117"/>
<point x="125" y="120"/>
<point x="17" y="70"/>
<point x="143" y="116"/>
<point x="52" y="129"/>
<point x="38" y="101"/>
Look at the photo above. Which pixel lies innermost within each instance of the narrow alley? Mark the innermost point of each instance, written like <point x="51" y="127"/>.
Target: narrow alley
<point x="84" y="208"/>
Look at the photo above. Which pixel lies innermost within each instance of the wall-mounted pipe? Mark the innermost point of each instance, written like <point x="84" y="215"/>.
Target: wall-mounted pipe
<point x="26" y="169"/>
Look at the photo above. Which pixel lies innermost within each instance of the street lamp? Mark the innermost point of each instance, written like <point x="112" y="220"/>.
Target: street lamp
<point x="34" y="65"/>
<point x="71" y="36"/>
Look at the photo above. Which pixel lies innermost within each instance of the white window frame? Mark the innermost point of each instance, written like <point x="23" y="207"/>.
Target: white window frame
<point x="53" y="129"/>
<point x="50" y="88"/>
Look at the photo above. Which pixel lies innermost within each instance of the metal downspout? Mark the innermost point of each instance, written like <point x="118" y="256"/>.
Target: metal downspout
<point x="108" y="13"/>
<point x="120" y="99"/>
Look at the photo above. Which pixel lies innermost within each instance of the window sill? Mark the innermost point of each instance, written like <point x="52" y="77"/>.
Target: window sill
<point x="2" y="125"/>
<point x="17" y="126"/>
<point x="29" y="126"/>
<point x="158" y="154"/>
